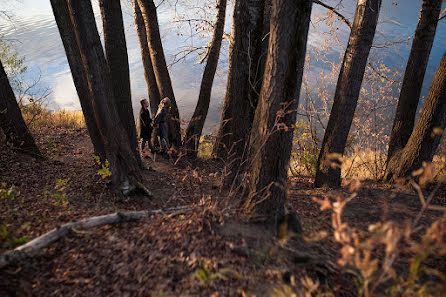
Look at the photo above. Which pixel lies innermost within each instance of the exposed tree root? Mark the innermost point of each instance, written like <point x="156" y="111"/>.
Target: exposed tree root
<point x="35" y="246"/>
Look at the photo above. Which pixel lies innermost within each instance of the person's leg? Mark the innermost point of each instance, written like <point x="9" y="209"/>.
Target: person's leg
<point x="143" y="144"/>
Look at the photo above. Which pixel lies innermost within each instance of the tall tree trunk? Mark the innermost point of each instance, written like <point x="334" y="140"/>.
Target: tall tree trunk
<point x="426" y="136"/>
<point x="119" y="152"/>
<point x="242" y="90"/>
<point x="149" y="75"/>
<point x="347" y="92"/>
<point x="118" y="63"/>
<point x="272" y="133"/>
<point x="195" y="127"/>
<point x="63" y="21"/>
<point x="150" y="17"/>
<point x="414" y="76"/>
<point x="11" y="120"/>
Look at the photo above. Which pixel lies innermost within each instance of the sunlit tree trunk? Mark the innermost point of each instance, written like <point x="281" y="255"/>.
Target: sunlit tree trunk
<point x="152" y="87"/>
<point x="150" y="17"/>
<point x="195" y="127"/>
<point x="117" y="60"/>
<point x="272" y="133"/>
<point x="428" y="131"/>
<point x="62" y="16"/>
<point x="414" y="75"/>
<point x="124" y="166"/>
<point x="11" y="120"/>
<point x="347" y="92"/>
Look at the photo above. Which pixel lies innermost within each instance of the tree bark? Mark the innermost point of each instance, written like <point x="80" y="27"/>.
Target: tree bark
<point x="413" y="77"/>
<point x="426" y="136"/>
<point x="119" y="152"/>
<point x="347" y="92"/>
<point x="272" y="133"/>
<point x="243" y="86"/>
<point x="11" y="120"/>
<point x="149" y="75"/>
<point x="195" y="127"/>
<point x="63" y="21"/>
<point x="118" y="63"/>
<point x="150" y="17"/>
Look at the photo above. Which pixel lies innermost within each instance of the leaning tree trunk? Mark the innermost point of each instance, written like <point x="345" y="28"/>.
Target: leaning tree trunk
<point x="347" y="92"/>
<point x="150" y="17"/>
<point x="149" y="75"/>
<point x="62" y="16"/>
<point x="414" y="76"/>
<point x="272" y="133"/>
<point x="426" y="136"/>
<point x="11" y="120"/>
<point x="195" y="127"/>
<point x="124" y="166"/>
<point x="118" y="63"/>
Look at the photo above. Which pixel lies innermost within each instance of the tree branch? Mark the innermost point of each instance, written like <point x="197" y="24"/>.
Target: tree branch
<point x="343" y="18"/>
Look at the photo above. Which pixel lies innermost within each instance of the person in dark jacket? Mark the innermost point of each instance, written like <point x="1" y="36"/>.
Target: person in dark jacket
<point x="161" y="118"/>
<point x="145" y="125"/>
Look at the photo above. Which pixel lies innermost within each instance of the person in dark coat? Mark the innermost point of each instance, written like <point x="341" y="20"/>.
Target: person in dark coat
<point x="161" y="118"/>
<point x="145" y="125"/>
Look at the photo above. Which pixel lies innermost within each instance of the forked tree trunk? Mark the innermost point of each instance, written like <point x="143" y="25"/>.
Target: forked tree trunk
<point x="195" y="127"/>
<point x="414" y="76"/>
<point x="149" y="75"/>
<point x="426" y="136"/>
<point x="347" y="92"/>
<point x="150" y="17"/>
<point x="11" y="120"/>
<point x="118" y="63"/>
<point x="63" y="21"/>
<point x="124" y="166"/>
<point x="272" y="133"/>
<point x="241" y="93"/>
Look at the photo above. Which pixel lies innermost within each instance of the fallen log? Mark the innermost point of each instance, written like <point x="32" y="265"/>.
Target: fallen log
<point x="36" y="245"/>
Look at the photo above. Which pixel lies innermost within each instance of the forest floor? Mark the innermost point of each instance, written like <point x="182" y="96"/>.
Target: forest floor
<point x="202" y="251"/>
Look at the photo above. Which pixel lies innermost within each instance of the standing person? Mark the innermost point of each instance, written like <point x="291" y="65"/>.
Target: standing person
<point x="161" y="118"/>
<point x="145" y="125"/>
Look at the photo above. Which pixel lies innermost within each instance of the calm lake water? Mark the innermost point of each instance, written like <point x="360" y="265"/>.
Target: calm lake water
<point x="36" y="37"/>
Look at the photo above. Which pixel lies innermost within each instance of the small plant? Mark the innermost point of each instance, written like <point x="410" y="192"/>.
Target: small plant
<point x="7" y="193"/>
<point x="104" y="171"/>
<point x="12" y="241"/>
<point x="58" y="194"/>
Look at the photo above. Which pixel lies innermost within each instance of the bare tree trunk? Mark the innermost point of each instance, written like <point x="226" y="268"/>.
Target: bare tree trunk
<point x="414" y="76"/>
<point x="119" y="152"/>
<point x="63" y="21"/>
<point x="347" y="92"/>
<point x="241" y="99"/>
<point x="150" y="17"/>
<point x="152" y="87"/>
<point x="195" y="127"/>
<point x="118" y="63"/>
<point x="11" y="120"/>
<point x="272" y="133"/>
<point x="426" y="136"/>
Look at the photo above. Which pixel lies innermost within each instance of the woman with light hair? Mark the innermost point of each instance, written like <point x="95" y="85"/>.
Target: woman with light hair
<point x="161" y="118"/>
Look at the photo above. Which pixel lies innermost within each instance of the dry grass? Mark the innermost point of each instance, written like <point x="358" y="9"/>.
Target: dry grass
<point x="62" y="118"/>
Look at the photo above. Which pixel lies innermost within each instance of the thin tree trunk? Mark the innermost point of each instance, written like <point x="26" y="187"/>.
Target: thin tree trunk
<point x="11" y="120"/>
<point x="149" y="75"/>
<point x="272" y="133"/>
<point x="63" y="21"/>
<point x="347" y="92"/>
<point x="426" y="136"/>
<point x="414" y="76"/>
<point x="195" y="127"/>
<point x="118" y="63"/>
<point x="150" y="17"/>
<point x="119" y="152"/>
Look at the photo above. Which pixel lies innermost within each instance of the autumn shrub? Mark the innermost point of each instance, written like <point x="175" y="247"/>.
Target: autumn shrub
<point x="37" y="115"/>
